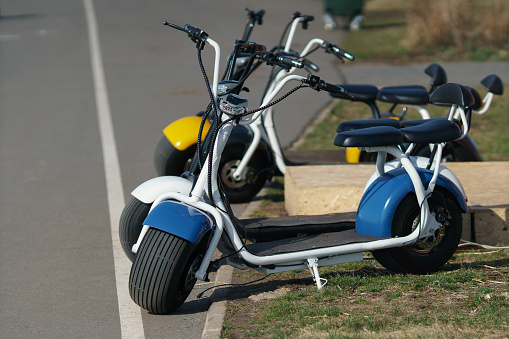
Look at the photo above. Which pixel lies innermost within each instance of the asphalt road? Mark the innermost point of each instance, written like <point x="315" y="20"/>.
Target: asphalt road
<point x="58" y="207"/>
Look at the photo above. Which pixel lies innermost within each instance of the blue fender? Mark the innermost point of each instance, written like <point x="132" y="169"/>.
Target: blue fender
<point x="383" y="196"/>
<point x="181" y="220"/>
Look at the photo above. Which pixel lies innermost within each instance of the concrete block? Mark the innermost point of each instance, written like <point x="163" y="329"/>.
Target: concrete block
<point x="313" y="190"/>
<point x="323" y="189"/>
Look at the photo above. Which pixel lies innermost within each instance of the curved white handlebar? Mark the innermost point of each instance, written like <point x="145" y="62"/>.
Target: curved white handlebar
<point x="289" y="40"/>
<point x="215" y="81"/>
<point x="270" y="96"/>
<point x="486" y="103"/>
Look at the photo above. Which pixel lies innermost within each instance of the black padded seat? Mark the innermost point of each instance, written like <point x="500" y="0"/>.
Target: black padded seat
<point x="477" y="98"/>
<point x="452" y="94"/>
<point x="360" y="92"/>
<point x="432" y="132"/>
<point x="411" y="123"/>
<point x="493" y="84"/>
<point x="359" y="124"/>
<point x="367" y="137"/>
<point x="409" y="95"/>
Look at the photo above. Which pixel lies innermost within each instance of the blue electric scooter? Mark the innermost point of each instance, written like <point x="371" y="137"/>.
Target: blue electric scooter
<point x="409" y="216"/>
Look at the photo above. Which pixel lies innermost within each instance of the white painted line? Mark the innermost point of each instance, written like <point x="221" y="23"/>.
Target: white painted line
<point x="130" y="314"/>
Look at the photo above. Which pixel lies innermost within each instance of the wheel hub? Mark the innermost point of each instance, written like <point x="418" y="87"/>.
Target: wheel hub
<point x="190" y="279"/>
<point x="228" y="179"/>
<point x="433" y="235"/>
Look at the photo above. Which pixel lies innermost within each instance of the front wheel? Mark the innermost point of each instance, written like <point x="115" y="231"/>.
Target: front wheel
<point x="162" y="275"/>
<point x="131" y="223"/>
<point x="426" y="254"/>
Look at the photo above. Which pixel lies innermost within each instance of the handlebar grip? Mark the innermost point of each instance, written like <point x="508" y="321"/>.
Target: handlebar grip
<point x="289" y="62"/>
<point x="307" y="18"/>
<point x="342" y="53"/>
<point x="311" y="65"/>
<point x="191" y="29"/>
<point x="339" y="91"/>
<point x="260" y="14"/>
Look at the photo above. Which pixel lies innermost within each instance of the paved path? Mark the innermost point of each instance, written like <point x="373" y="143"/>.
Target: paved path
<point x="57" y="206"/>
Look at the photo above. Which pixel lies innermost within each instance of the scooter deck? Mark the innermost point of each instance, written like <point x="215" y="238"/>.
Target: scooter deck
<point x="309" y="242"/>
<point x="270" y="229"/>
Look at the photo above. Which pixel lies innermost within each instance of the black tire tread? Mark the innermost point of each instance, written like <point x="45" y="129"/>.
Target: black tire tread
<point x="170" y="161"/>
<point x="156" y="271"/>
<point x="401" y="259"/>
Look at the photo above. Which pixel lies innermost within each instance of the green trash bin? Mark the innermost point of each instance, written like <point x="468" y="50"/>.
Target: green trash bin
<point x="346" y="8"/>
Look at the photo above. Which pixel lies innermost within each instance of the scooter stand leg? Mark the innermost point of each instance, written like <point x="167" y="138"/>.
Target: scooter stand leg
<point x="313" y="268"/>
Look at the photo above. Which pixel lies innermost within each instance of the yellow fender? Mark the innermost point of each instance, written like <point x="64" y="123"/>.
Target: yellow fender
<point x="353" y="155"/>
<point x="184" y="132"/>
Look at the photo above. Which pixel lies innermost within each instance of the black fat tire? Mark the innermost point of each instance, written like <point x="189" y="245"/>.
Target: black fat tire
<point x="131" y="223"/>
<point x="245" y="190"/>
<point x="452" y="152"/>
<point x="161" y="276"/>
<point x="371" y="157"/>
<point x="368" y="156"/>
<point x="170" y="161"/>
<point x="418" y="258"/>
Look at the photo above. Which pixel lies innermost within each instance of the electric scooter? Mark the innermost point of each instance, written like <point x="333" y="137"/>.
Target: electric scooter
<point x="242" y="180"/>
<point x="409" y="217"/>
<point x="138" y="206"/>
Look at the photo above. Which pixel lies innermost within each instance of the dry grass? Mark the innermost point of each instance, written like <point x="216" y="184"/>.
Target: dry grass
<point x="438" y="24"/>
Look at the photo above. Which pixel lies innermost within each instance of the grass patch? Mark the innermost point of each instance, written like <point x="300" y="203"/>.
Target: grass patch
<point x="469" y="298"/>
<point x="398" y="31"/>
<point x="272" y="203"/>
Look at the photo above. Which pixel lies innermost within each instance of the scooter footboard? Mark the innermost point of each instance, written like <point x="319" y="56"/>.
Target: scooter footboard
<point x="383" y="196"/>
<point x="181" y="220"/>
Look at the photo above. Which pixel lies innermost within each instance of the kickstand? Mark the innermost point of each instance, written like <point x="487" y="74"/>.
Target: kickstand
<point x="313" y="268"/>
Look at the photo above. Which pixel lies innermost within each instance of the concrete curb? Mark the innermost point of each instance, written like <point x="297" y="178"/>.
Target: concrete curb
<point x="217" y="310"/>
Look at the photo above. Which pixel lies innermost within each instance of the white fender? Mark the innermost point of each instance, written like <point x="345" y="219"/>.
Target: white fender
<point x="422" y="162"/>
<point x="152" y="188"/>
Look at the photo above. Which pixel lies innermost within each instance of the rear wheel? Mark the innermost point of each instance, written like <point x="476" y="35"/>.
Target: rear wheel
<point x="162" y="275"/>
<point x="170" y="161"/>
<point x="452" y="153"/>
<point x="427" y="254"/>
<point x="131" y="223"/>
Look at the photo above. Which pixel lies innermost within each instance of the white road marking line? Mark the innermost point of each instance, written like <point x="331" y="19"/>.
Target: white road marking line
<point x="130" y="315"/>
